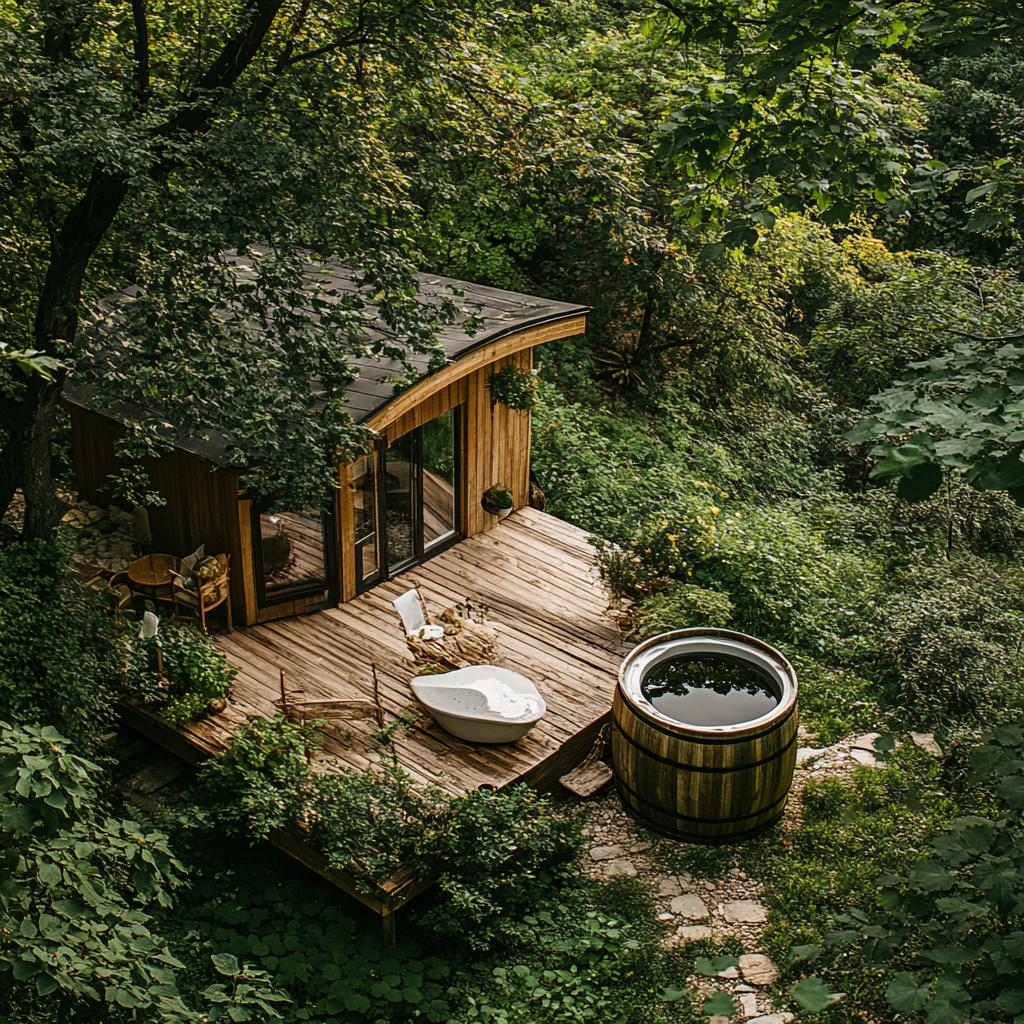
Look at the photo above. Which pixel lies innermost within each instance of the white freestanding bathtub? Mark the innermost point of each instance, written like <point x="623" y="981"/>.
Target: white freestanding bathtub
<point x="463" y="711"/>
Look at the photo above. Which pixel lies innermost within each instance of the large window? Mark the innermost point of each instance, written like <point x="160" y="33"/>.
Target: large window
<point x="405" y="502"/>
<point x="290" y="555"/>
<point x="367" y="552"/>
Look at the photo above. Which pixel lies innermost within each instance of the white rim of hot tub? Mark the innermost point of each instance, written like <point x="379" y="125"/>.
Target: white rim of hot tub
<point x="736" y="646"/>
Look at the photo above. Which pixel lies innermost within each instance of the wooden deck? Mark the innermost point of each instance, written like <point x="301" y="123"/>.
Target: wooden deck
<point x="548" y="606"/>
<point x="546" y="602"/>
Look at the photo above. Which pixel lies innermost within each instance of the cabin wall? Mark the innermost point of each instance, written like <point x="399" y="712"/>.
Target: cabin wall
<point x="201" y="502"/>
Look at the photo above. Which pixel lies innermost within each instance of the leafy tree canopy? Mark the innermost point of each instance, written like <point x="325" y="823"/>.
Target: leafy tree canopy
<point x="797" y="119"/>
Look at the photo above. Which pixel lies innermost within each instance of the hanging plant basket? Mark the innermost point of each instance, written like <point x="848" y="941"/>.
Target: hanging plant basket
<point x="513" y="386"/>
<point x="497" y="501"/>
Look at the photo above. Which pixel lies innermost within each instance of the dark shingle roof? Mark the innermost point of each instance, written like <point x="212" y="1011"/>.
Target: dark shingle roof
<point x="499" y="313"/>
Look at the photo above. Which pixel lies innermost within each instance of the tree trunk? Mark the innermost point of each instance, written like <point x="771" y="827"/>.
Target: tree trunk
<point x="25" y="461"/>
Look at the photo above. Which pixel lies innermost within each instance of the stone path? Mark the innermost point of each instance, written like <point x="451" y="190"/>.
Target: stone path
<point x="730" y="906"/>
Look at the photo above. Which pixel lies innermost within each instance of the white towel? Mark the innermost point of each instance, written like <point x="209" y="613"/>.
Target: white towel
<point x="504" y="701"/>
<point x="410" y="607"/>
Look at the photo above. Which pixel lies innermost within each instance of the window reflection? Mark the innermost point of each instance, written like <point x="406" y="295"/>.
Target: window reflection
<point x="293" y="550"/>
<point x="438" y="447"/>
<point x="365" y="502"/>
<point x="400" y="499"/>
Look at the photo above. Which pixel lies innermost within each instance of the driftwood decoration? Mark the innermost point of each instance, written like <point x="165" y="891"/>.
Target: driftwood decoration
<point x="465" y="642"/>
<point x="297" y="708"/>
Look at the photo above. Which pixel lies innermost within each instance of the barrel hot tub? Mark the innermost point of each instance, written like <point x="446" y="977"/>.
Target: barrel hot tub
<point x="704" y="736"/>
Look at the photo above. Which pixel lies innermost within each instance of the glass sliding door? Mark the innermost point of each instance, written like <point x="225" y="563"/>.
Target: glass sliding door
<point x="364" y="499"/>
<point x="401" y="480"/>
<point x="437" y="444"/>
<point x="406" y="500"/>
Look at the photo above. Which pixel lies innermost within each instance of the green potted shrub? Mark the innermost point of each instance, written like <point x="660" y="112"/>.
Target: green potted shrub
<point x="497" y="501"/>
<point x="513" y="386"/>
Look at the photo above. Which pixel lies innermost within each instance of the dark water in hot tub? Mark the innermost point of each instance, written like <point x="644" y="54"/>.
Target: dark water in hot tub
<point x="707" y="691"/>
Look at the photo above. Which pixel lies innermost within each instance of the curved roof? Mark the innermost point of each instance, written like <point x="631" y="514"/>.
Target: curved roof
<point x="498" y="314"/>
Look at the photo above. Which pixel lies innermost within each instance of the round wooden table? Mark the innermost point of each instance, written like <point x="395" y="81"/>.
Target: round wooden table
<point x="150" y="576"/>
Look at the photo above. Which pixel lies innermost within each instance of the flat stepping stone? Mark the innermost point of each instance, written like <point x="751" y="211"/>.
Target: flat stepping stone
<point x="640" y="847"/>
<point x="729" y="973"/>
<point x="772" y="1018"/>
<point x="866" y="757"/>
<point x="862" y="750"/>
<point x="806" y="753"/>
<point x="690" y="907"/>
<point x="748" y="1005"/>
<point x="926" y="741"/>
<point x="693" y="933"/>
<point x="606" y="852"/>
<point x="673" y="885"/>
<point x="758" y="969"/>
<point x="744" y="912"/>
<point x="620" y="867"/>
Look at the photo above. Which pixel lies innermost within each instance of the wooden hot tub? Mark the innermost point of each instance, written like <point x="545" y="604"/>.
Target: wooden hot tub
<point x="705" y="783"/>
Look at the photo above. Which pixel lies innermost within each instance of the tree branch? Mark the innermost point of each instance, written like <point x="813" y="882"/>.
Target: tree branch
<point x="985" y="337"/>
<point x="141" y="45"/>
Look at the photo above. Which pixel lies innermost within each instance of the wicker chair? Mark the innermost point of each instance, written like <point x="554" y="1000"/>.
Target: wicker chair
<point x="195" y="602"/>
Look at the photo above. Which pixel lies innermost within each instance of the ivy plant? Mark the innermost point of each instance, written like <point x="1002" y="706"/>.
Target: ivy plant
<point x="513" y="386"/>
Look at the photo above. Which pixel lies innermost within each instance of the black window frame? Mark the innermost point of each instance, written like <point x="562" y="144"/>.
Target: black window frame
<point x="421" y="552"/>
<point x="295" y="591"/>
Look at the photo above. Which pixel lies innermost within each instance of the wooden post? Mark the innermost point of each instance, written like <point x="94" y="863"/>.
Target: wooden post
<point x="387" y="920"/>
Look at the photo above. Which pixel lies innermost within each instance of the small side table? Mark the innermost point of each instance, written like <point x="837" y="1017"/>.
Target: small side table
<point x="150" y="576"/>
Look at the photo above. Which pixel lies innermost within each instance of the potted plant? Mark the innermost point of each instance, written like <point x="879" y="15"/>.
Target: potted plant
<point x="497" y="501"/>
<point x="513" y="386"/>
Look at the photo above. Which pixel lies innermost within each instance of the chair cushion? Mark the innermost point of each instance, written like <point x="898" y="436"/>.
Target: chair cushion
<point x="188" y="567"/>
<point x="211" y="596"/>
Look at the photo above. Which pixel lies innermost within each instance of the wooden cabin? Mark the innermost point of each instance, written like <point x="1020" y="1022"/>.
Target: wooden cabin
<point x="441" y="444"/>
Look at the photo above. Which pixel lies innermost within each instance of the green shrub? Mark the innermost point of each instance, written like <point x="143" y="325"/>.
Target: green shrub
<point x="953" y="920"/>
<point x="500" y="852"/>
<point x="949" y="640"/>
<point x="824" y="800"/>
<point x="61" y="653"/>
<point x="681" y="606"/>
<point x="194" y="666"/>
<point x="77" y="888"/>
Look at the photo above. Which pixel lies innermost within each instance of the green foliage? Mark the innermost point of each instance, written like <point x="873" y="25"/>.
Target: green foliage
<point x="73" y="888"/>
<point x="824" y="800"/>
<point x="681" y="606"/>
<point x="247" y="995"/>
<point x="513" y="386"/>
<point x="498" y="852"/>
<point x="194" y="666"/>
<point x="958" y="909"/>
<point x="950" y="642"/>
<point x="250" y="911"/>
<point x="60" y="652"/>
<point x="957" y="413"/>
